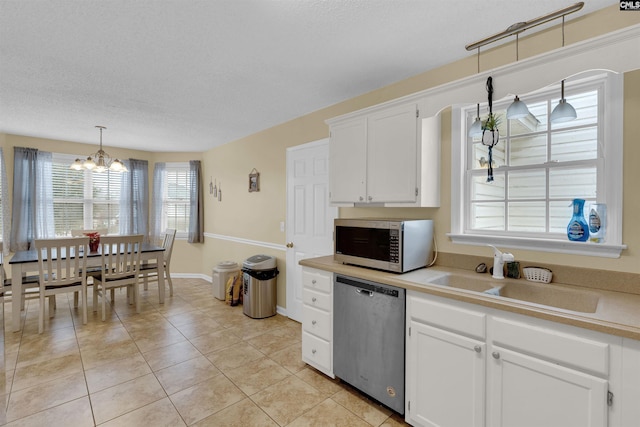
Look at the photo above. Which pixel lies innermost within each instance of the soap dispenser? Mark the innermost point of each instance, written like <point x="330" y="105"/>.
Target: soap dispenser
<point x="578" y="230"/>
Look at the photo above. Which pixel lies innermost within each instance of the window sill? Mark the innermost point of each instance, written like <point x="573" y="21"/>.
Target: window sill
<point x="542" y="245"/>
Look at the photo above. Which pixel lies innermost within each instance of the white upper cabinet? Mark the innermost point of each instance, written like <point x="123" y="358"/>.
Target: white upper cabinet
<point x="391" y="155"/>
<point x="376" y="158"/>
<point x="348" y="161"/>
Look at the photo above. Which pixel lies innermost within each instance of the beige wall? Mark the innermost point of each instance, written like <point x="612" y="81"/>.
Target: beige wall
<point x="256" y="216"/>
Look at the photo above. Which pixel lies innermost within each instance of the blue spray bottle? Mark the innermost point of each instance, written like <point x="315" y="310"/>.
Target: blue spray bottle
<point x="578" y="230"/>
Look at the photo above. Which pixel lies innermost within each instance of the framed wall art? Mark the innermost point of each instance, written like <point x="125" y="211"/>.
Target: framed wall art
<point x="254" y="181"/>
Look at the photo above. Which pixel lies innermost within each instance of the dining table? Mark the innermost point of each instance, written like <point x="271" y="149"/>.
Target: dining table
<point x="25" y="262"/>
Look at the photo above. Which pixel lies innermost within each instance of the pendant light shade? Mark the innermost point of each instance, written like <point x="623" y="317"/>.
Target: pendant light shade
<point x="475" y="131"/>
<point x="564" y="112"/>
<point x="517" y="109"/>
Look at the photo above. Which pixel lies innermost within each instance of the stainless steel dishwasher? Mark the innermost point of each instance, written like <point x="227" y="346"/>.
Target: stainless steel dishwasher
<point x="368" y="333"/>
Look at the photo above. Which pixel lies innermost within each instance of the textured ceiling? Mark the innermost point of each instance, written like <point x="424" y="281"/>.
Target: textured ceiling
<point x="190" y="75"/>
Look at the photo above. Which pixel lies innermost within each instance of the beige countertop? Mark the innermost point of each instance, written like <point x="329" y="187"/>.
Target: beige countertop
<point x="617" y="313"/>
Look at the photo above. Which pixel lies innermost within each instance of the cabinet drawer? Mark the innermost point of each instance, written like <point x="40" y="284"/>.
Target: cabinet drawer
<point x="567" y="349"/>
<point x="316" y="352"/>
<point x="318" y="280"/>
<point x="317" y="299"/>
<point x="448" y="316"/>
<point x="316" y="322"/>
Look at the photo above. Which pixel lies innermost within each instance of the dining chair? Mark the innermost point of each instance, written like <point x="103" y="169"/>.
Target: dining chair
<point x="30" y="286"/>
<point x="62" y="268"/>
<point x="120" y="266"/>
<point x="80" y="232"/>
<point x="150" y="270"/>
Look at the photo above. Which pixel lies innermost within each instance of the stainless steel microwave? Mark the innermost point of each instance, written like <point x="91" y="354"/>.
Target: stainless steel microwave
<point x="396" y="245"/>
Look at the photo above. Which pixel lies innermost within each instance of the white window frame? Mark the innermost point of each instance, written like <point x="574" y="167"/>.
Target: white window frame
<point x="181" y="166"/>
<point x="88" y="201"/>
<point x="609" y="183"/>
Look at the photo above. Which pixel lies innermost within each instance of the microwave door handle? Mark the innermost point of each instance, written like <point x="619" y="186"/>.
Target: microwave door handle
<point x="364" y="292"/>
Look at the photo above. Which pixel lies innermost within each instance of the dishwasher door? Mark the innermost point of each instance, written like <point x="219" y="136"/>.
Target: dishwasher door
<point x="368" y="333"/>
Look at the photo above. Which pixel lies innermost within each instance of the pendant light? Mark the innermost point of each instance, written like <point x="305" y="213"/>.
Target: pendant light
<point x="564" y="112"/>
<point x="517" y="109"/>
<point x="475" y="131"/>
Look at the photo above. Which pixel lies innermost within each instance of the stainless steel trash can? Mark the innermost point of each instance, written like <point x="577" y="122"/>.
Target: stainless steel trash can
<point x="259" y="286"/>
<point x="221" y="274"/>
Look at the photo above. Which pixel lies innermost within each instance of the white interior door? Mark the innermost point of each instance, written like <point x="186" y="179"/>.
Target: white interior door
<point x="309" y="216"/>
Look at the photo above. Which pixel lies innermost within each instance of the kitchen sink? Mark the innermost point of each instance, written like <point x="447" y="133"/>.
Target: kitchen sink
<point x="462" y="282"/>
<point x="537" y="293"/>
<point x="568" y="299"/>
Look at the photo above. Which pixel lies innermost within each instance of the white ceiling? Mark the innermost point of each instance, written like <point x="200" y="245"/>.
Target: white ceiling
<point x="184" y="75"/>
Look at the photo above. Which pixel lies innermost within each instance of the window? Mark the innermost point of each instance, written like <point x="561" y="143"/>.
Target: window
<point x="175" y="198"/>
<point x="84" y="199"/>
<point x="539" y="168"/>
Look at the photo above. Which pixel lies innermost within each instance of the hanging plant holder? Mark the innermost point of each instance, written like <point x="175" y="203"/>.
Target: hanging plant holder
<point x="490" y="137"/>
<point x="490" y="132"/>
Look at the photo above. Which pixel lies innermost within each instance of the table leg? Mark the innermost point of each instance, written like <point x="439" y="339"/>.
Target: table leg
<point x="16" y="296"/>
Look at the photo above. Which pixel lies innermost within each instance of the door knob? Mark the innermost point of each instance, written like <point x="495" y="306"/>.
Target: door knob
<point x="290" y="244"/>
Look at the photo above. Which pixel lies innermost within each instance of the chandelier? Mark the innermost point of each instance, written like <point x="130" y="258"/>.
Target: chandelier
<point x="99" y="161"/>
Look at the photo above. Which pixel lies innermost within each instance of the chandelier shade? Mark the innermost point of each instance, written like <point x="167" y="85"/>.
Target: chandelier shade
<point x="99" y="161"/>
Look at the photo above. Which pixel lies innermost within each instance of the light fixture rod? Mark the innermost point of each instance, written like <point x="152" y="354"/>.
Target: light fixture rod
<point x="521" y="26"/>
<point x="101" y="129"/>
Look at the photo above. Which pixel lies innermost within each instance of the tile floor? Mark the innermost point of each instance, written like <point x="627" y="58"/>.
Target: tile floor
<point x="192" y="361"/>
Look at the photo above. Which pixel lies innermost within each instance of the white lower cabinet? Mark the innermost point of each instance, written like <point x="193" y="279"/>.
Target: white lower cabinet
<point x="530" y="392"/>
<point x="469" y="365"/>
<point x="317" y="319"/>
<point x="447" y="378"/>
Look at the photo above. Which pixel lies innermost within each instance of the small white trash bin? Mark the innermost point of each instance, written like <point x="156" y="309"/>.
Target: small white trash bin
<point x="221" y="273"/>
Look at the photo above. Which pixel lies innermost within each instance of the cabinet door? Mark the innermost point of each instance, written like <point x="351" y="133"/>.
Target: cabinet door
<point x="530" y="392"/>
<point x="391" y="155"/>
<point x="445" y="378"/>
<point x="348" y="162"/>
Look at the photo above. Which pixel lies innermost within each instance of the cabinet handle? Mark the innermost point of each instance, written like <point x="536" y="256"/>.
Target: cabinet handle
<point x="370" y="198"/>
<point x="313" y="282"/>
<point x="313" y="351"/>
<point x="478" y="349"/>
<point x="361" y="198"/>
<point x="495" y="355"/>
<point x="313" y="322"/>
<point x="313" y="299"/>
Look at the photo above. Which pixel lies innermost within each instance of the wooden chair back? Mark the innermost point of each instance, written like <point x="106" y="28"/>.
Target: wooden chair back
<point x="120" y="257"/>
<point x="62" y="262"/>
<point x="167" y="244"/>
